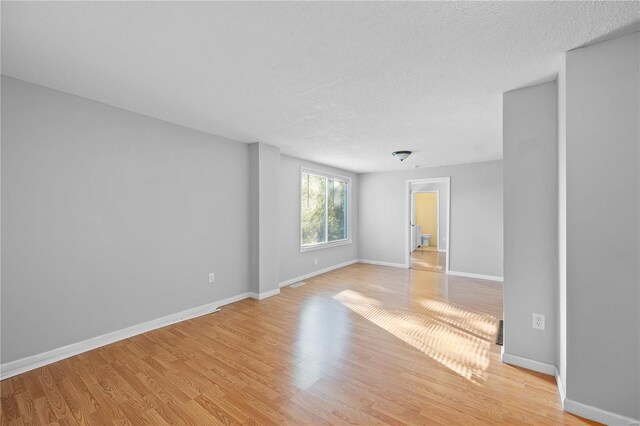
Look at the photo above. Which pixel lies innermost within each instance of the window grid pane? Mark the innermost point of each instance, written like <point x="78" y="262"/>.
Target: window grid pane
<point x="313" y="209"/>
<point x="337" y="210"/>
<point x="324" y="210"/>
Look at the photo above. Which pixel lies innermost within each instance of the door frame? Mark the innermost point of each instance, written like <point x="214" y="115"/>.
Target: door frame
<point x="409" y="209"/>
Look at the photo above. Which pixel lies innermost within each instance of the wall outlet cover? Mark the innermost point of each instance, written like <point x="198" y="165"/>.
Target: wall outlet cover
<point x="212" y="277"/>
<point x="537" y="321"/>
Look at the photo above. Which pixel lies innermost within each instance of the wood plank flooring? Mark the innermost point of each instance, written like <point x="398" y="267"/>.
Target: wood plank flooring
<point x="361" y="345"/>
<point x="429" y="259"/>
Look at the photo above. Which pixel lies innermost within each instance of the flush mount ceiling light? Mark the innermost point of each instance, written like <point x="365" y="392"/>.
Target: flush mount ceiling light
<point x="401" y="155"/>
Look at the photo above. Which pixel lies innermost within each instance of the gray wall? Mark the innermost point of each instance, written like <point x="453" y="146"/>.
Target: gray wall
<point x="265" y="208"/>
<point x="254" y="218"/>
<point x="110" y="219"/>
<point x="530" y="221"/>
<point x="561" y="329"/>
<point x="476" y="216"/>
<point x="603" y="193"/>
<point x="442" y="209"/>
<point x="293" y="263"/>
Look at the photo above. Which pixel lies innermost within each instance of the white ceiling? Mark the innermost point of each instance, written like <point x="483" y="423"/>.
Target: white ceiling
<point x="339" y="83"/>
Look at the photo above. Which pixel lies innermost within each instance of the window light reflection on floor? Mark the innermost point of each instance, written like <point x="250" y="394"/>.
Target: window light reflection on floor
<point x="482" y="325"/>
<point x="458" y="350"/>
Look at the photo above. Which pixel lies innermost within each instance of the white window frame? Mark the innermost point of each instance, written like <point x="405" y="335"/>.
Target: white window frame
<point x="327" y="175"/>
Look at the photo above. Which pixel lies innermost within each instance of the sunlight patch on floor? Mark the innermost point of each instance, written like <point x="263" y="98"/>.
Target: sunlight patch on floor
<point x="460" y="351"/>
<point x="482" y="325"/>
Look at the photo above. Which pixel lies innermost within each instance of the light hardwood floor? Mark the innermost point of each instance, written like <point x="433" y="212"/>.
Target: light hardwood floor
<point x="364" y="344"/>
<point x="429" y="259"/>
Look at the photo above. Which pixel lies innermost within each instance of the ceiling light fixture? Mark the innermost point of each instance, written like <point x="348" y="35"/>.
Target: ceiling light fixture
<point x="401" y="155"/>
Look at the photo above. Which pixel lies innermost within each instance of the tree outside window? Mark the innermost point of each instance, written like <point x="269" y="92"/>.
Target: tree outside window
<point x="324" y="209"/>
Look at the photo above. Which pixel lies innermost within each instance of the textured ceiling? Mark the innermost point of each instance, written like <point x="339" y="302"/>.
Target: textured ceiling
<point x="339" y="83"/>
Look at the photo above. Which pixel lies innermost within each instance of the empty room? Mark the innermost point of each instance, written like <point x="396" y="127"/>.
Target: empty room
<point x="320" y="213"/>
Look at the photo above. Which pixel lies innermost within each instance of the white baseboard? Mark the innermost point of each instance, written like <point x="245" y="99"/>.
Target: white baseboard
<point x="540" y="367"/>
<point x="318" y="272"/>
<point x="568" y="405"/>
<point x="375" y="262"/>
<point x="590" y="412"/>
<point x="262" y="296"/>
<point x="23" y="365"/>
<point x="479" y="276"/>
<point x="593" y="413"/>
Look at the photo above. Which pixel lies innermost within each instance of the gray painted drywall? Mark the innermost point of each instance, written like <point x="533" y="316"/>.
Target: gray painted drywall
<point x="530" y="221"/>
<point x="603" y="193"/>
<point x="561" y="329"/>
<point x="111" y="218"/>
<point x="441" y="187"/>
<point x="476" y="216"/>
<point x="269" y="208"/>
<point x="254" y="218"/>
<point x="293" y="263"/>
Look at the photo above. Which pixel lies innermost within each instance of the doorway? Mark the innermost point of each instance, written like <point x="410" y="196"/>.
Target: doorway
<point x="428" y="233"/>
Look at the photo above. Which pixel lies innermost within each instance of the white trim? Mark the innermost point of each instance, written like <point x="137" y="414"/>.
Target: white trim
<point x="590" y="412"/>
<point x="22" y="365"/>
<point x="408" y="213"/>
<point x="444" y="179"/>
<point x="325" y="174"/>
<point x="597" y="414"/>
<point x="319" y="246"/>
<point x="393" y="265"/>
<point x="568" y="405"/>
<point x="318" y="272"/>
<point x="561" y="391"/>
<point x="478" y="276"/>
<point x="262" y="296"/>
<point x="530" y="364"/>
<point x="442" y="251"/>
<point x="327" y="243"/>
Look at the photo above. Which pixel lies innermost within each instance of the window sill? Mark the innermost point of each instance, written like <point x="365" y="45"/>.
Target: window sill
<point x="324" y="245"/>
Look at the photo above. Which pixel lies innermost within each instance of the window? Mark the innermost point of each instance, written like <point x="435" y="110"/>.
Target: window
<point x="324" y="210"/>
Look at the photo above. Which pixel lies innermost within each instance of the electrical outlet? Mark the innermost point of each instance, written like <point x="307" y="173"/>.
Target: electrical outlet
<point x="315" y="261"/>
<point x="537" y="321"/>
<point x="212" y="277"/>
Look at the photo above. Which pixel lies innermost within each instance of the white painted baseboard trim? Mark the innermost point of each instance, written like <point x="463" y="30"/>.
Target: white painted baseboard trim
<point x="375" y="262"/>
<point x="540" y="367"/>
<point x="22" y="365"/>
<point x="262" y="296"/>
<point x="479" y="276"/>
<point x="568" y="405"/>
<point x="561" y="391"/>
<point x="318" y="272"/>
<point x="593" y="413"/>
